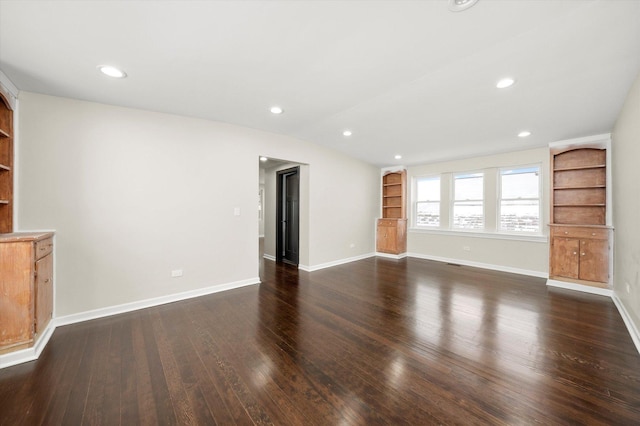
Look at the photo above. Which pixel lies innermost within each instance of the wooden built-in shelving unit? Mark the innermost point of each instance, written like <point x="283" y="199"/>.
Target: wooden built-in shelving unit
<point x="393" y="188"/>
<point x="6" y="165"/>
<point x="580" y="236"/>
<point x="392" y="227"/>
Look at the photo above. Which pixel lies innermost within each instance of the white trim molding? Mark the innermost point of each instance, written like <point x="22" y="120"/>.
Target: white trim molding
<point x="533" y="238"/>
<point x="269" y="257"/>
<point x="603" y="138"/>
<point x="9" y="90"/>
<point x="149" y="303"/>
<point x="631" y="326"/>
<point x="580" y="287"/>
<point x="490" y="266"/>
<point x="30" y="354"/>
<point x="391" y="256"/>
<point x="335" y="262"/>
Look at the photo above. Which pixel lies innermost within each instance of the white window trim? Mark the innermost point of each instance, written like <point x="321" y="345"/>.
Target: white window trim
<point x="414" y="201"/>
<point x="531" y="237"/>
<point x="499" y="199"/>
<point x="452" y="200"/>
<point x="446" y="207"/>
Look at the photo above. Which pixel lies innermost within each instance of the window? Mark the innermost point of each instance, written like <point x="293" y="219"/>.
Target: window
<point x="428" y="201"/>
<point x="520" y="199"/>
<point x="501" y="202"/>
<point x="468" y="201"/>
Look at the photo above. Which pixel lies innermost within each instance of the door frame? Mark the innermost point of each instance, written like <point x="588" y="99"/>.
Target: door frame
<point x="280" y="206"/>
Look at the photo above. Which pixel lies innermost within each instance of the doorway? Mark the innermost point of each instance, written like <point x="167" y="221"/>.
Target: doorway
<point x="288" y="215"/>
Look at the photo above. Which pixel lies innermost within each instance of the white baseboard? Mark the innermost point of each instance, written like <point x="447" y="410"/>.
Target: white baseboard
<point x="28" y="354"/>
<point x="33" y="353"/>
<point x="334" y="263"/>
<point x="580" y="287"/>
<point x="631" y="326"/>
<point x="148" y="303"/>
<point x="269" y="257"/>
<point x="391" y="256"/>
<point x="490" y="266"/>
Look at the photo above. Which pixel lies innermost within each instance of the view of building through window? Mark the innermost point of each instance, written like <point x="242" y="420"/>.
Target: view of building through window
<point x="520" y="199"/>
<point x="468" y="202"/>
<point x="516" y="197"/>
<point x="428" y="201"/>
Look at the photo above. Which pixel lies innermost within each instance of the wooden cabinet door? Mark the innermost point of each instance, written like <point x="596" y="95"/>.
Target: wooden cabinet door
<point x="387" y="239"/>
<point x="44" y="292"/>
<point x="16" y="298"/>
<point x="594" y="260"/>
<point x="565" y="257"/>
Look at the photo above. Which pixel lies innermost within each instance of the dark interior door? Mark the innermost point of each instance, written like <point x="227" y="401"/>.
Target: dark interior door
<point x="287" y="215"/>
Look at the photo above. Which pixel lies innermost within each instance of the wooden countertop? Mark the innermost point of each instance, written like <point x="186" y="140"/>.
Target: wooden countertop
<point x="24" y="236"/>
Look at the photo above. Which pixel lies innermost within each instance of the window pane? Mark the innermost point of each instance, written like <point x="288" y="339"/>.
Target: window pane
<point x="520" y="183"/>
<point x="427" y="214"/>
<point x="468" y="215"/>
<point x="520" y="203"/>
<point x="469" y="187"/>
<point x="429" y="189"/>
<point x="520" y="215"/>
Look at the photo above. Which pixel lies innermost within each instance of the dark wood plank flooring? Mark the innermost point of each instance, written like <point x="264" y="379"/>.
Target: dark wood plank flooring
<point x="376" y="341"/>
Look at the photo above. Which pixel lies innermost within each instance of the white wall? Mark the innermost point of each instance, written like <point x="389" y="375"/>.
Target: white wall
<point x="626" y="204"/>
<point x="134" y="194"/>
<point x="530" y="257"/>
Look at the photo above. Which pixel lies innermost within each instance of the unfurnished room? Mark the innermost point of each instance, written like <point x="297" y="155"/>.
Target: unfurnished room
<point x="339" y="212"/>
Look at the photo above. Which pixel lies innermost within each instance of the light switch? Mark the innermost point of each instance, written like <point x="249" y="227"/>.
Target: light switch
<point x="236" y="211"/>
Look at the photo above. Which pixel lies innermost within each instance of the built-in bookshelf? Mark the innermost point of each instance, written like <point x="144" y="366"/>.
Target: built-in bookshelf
<point x="392" y="227"/>
<point x="393" y="193"/>
<point x="580" y="234"/>
<point x="6" y="165"/>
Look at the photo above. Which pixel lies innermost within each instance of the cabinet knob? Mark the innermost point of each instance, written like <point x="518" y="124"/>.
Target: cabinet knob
<point x="566" y="232"/>
<point x="575" y="252"/>
<point x="593" y="233"/>
<point x="582" y="254"/>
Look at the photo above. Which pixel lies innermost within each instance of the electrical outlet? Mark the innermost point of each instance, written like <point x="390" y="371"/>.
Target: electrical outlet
<point x="176" y="273"/>
<point x="628" y="287"/>
<point x="466" y="248"/>
<point x="352" y="245"/>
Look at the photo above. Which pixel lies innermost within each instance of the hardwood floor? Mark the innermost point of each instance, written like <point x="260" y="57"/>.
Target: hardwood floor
<point x="376" y="341"/>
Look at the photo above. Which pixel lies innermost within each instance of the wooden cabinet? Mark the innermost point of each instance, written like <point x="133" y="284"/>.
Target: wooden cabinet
<point x="392" y="227"/>
<point x="6" y="164"/>
<point x="580" y="254"/>
<point x="392" y="236"/>
<point x="580" y="237"/>
<point x="26" y="288"/>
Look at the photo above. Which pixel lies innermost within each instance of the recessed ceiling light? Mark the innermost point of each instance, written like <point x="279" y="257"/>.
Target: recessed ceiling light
<point x="347" y="133"/>
<point x="398" y="157"/>
<point x="263" y="159"/>
<point x="112" y="71"/>
<point x="276" y="110"/>
<point x="524" y="134"/>
<point x="460" y="5"/>
<point x="505" y="82"/>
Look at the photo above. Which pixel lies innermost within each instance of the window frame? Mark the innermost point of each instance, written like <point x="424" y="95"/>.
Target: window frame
<point x="452" y="201"/>
<point x="500" y="199"/>
<point x="415" y="201"/>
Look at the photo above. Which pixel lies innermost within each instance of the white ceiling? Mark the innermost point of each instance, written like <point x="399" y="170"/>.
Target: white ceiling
<point x="407" y="77"/>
